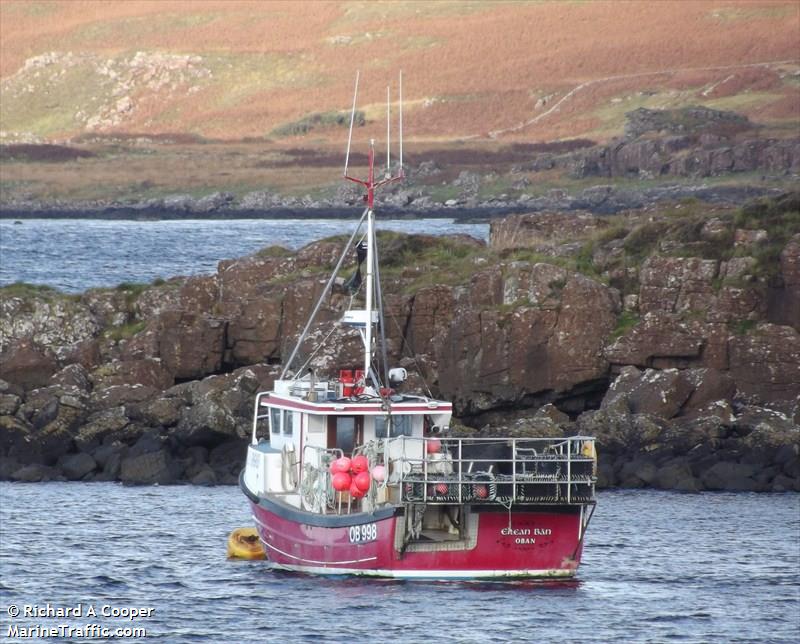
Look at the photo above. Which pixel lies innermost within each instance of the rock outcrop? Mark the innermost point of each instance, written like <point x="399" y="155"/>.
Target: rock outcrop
<point x="670" y="336"/>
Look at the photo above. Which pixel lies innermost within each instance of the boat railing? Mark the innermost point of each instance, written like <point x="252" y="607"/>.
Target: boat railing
<point x="493" y="470"/>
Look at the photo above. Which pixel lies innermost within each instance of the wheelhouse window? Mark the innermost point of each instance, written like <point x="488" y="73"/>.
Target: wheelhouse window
<point x="274" y="421"/>
<point x="288" y="423"/>
<point x="398" y="426"/>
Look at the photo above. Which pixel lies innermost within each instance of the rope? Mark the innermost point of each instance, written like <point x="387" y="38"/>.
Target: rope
<point x="314" y="352"/>
<point x="413" y="356"/>
<point x="322" y="297"/>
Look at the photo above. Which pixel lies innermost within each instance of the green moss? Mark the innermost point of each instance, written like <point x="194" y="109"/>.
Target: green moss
<point x="612" y="232"/>
<point x="124" y="331"/>
<point x="132" y="291"/>
<point x="273" y="251"/>
<point x="780" y="218"/>
<point x="533" y="257"/>
<point x="584" y="261"/>
<point x="441" y="193"/>
<point x="505" y="309"/>
<point x="742" y="327"/>
<point x="318" y="120"/>
<point x="643" y="239"/>
<point x="24" y="289"/>
<point x="136" y="288"/>
<point x="625" y="322"/>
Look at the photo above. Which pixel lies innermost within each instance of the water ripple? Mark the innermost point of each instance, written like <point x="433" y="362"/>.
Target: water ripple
<point x="658" y="567"/>
<point x="76" y="254"/>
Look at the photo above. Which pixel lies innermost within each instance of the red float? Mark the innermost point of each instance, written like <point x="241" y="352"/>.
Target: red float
<point x="433" y="446"/>
<point x="362" y="481"/>
<point x="342" y="464"/>
<point x="359" y="464"/>
<point x="355" y="491"/>
<point x="341" y="481"/>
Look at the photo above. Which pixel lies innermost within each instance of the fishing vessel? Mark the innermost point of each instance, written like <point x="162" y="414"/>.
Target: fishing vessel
<point x="348" y="473"/>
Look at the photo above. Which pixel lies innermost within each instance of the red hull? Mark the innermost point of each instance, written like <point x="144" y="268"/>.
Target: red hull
<point x="541" y="542"/>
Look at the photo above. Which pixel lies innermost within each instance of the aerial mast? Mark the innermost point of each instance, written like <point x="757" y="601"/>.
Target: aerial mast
<point x="371" y="185"/>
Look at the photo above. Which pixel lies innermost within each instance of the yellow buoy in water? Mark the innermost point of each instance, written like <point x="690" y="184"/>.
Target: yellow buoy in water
<point x="243" y="543"/>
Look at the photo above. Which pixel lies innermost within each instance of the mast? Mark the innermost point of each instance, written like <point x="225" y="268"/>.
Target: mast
<point x="370" y="184"/>
<point x="370" y="255"/>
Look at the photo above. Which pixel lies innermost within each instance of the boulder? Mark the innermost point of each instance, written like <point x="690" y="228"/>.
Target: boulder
<point x="27" y="365"/>
<point x="77" y="466"/>
<point x="190" y="345"/>
<point x="228" y="460"/>
<point x="784" y="305"/>
<point x="660" y="393"/>
<point x="106" y="426"/>
<point x="676" y="475"/>
<point x="103" y="453"/>
<point x="35" y="473"/>
<point x="254" y="331"/>
<point x="119" y="395"/>
<point x="146" y="372"/>
<point x="7" y="467"/>
<point x="206" y="423"/>
<point x="17" y="441"/>
<point x="205" y="476"/>
<point x="149" y="468"/>
<point x="659" y="338"/>
<point x="73" y="377"/>
<point x="9" y="403"/>
<point x="766" y="362"/>
<point x="640" y="472"/>
<point x="730" y="476"/>
<point x="162" y="411"/>
<point x="676" y="284"/>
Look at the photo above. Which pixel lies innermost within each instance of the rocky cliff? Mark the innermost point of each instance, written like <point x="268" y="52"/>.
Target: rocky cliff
<point x="671" y="335"/>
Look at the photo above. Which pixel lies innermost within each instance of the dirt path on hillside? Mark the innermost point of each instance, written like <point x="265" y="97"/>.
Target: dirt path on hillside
<point x="516" y="128"/>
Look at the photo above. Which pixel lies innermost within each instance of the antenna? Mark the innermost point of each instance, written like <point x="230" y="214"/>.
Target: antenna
<point x="401" y="122"/>
<point x="370" y="184"/>
<point x="352" y="119"/>
<point x="388" y="131"/>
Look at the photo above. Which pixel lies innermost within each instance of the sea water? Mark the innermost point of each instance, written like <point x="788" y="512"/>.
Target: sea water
<point x="75" y="254"/>
<point x="657" y="567"/>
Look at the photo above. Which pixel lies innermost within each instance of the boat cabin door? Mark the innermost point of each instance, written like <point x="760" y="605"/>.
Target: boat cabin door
<point x="345" y="432"/>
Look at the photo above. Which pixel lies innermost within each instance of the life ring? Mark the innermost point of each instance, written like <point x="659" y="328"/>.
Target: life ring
<point x="244" y="543"/>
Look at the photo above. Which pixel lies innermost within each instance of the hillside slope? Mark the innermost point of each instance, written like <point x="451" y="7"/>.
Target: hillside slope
<point x="514" y="71"/>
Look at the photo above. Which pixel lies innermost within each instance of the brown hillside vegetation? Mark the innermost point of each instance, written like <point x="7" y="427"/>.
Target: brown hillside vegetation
<point x="527" y="71"/>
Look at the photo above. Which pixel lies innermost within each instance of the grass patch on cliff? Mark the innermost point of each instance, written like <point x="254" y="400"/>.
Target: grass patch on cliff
<point x="124" y="331"/>
<point x="25" y="289"/>
<point x="273" y="251"/>
<point x="625" y="322"/>
<point x="132" y="290"/>
<point x="780" y="217"/>
<point x="742" y="327"/>
<point x="643" y="239"/>
<point x="426" y="260"/>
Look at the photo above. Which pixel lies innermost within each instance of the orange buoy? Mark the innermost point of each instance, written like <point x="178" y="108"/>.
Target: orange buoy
<point x="244" y="543"/>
